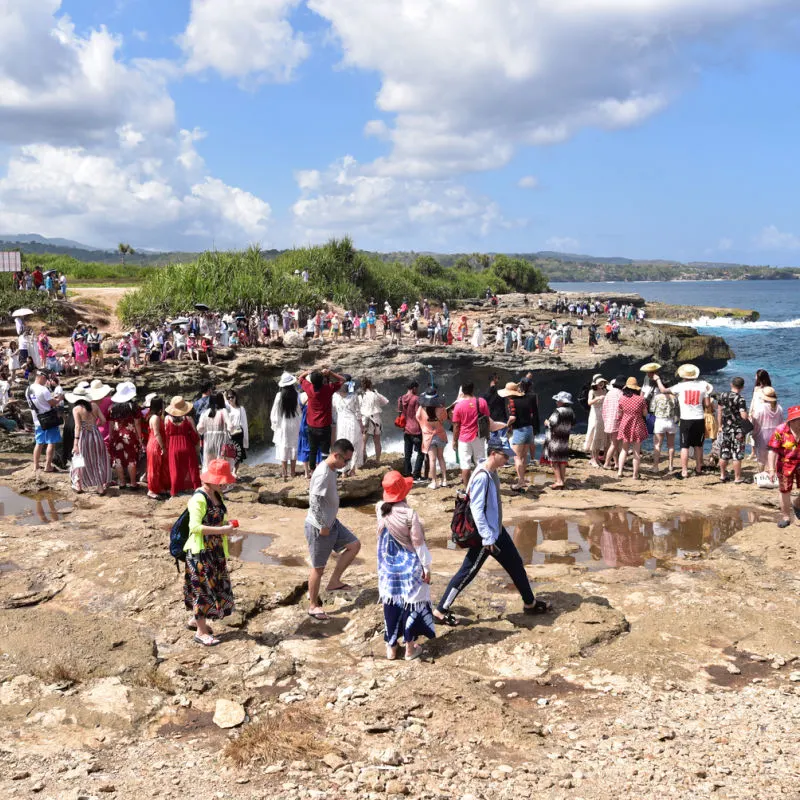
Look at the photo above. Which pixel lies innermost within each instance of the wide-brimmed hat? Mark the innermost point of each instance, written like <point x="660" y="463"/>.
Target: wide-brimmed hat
<point x="126" y="391"/>
<point x="563" y="397"/>
<point x="793" y="413"/>
<point x="688" y="372"/>
<point x="769" y="394"/>
<point x="218" y="473"/>
<point x="632" y="383"/>
<point x="179" y="407"/>
<point x="653" y="366"/>
<point x="512" y="390"/>
<point x="98" y="390"/>
<point x="287" y="379"/>
<point x="149" y="399"/>
<point x="78" y="393"/>
<point x="395" y="487"/>
<point x="598" y="379"/>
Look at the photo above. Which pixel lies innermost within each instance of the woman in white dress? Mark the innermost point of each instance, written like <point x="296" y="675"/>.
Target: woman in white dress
<point x="595" y="433"/>
<point x="372" y="403"/>
<point x="349" y="424"/>
<point x="477" y="335"/>
<point x="766" y="417"/>
<point x="238" y="427"/>
<point x="285" y="418"/>
<point x="213" y="427"/>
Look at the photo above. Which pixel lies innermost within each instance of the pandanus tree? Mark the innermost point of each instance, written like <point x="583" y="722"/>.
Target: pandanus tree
<point x="125" y="250"/>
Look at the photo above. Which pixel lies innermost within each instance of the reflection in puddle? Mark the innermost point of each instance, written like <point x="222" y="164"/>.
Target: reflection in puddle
<point x="36" y="509"/>
<point x="613" y="537"/>
<point x="8" y="566"/>
<point x="251" y="548"/>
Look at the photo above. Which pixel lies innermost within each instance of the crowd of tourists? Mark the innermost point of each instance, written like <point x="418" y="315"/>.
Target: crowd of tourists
<point x="51" y="281"/>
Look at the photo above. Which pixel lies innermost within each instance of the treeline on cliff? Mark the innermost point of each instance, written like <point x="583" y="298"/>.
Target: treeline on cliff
<point x="246" y="280"/>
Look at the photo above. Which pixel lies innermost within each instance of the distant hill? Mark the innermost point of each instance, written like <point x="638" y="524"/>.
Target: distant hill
<point x="35" y="238"/>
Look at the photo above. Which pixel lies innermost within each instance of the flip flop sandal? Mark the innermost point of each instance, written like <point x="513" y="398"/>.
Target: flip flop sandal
<point x="539" y="607"/>
<point x="320" y="616"/>
<point x="784" y="523"/>
<point x="207" y="640"/>
<point x="345" y="587"/>
<point x="416" y="653"/>
<point x="449" y="620"/>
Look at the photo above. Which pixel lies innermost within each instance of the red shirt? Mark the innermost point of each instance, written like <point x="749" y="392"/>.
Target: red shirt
<point x="466" y="413"/>
<point x="787" y="447"/>
<point x="320" y="403"/>
<point x="408" y="405"/>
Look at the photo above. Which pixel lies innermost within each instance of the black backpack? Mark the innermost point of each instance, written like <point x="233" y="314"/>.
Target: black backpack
<point x="464" y="531"/>
<point x="179" y="534"/>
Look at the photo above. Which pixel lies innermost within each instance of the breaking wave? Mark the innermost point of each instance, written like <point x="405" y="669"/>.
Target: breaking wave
<point x="731" y="322"/>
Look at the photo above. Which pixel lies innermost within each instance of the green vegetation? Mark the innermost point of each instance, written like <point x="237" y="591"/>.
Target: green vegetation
<point x="245" y="280"/>
<point x="11" y="299"/>
<point x="87" y="271"/>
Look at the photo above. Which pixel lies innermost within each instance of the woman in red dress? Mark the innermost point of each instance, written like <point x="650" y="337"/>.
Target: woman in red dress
<point x="183" y="442"/>
<point x="157" y="462"/>
<point x="124" y="434"/>
<point x="631" y="414"/>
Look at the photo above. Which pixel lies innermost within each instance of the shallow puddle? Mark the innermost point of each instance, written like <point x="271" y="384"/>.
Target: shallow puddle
<point x="608" y="538"/>
<point x="36" y="509"/>
<point x="252" y="548"/>
<point x="8" y="566"/>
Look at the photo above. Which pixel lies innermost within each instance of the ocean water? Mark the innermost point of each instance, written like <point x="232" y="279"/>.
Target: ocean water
<point x="772" y="343"/>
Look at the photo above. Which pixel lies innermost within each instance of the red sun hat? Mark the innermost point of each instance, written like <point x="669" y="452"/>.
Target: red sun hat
<point x="218" y="473"/>
<point x="793" y="413"/>
<point x="395" y="487"/>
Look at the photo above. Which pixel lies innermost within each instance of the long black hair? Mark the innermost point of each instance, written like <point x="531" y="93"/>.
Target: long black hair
<point x="288" y="404"/>
<point x="216" y="403"/>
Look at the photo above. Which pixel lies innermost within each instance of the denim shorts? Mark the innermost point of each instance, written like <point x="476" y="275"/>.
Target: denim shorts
<point x="522" y="435"/>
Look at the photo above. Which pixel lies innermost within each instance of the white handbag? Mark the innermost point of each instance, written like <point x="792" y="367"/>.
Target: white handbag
<point x="78" y="461"/>
<point x="763" y="481"/>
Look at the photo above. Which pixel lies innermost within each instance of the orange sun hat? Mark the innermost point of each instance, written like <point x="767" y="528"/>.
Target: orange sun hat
<point x="218" y="473"/>
<point x="395" y="487"/>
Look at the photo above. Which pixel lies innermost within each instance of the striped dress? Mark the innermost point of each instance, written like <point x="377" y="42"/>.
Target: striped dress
<point x="96" y="471"/>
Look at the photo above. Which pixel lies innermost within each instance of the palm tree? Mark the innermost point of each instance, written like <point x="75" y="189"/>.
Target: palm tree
<point x="125" y="249"/>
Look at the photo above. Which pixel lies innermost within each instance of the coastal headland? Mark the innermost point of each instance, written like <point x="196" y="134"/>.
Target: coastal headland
<point x="670" y="664"/>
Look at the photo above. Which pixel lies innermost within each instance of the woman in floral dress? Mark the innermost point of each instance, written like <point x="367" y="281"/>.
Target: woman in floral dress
<point x="125" y="436"/>
<point x="556" y="444"/>
<point x="207" y="591"/>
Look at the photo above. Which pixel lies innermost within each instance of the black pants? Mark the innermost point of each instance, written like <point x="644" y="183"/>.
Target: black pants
<point x="319" y="440"/>
<point x="412" y="442"/>
<point x="506" y="553"/>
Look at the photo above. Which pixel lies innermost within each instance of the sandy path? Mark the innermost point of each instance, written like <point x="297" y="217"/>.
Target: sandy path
<point x="106" y="296"/>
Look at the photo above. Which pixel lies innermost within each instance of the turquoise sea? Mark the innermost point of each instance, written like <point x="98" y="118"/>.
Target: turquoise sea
<point x="771" y="343"/>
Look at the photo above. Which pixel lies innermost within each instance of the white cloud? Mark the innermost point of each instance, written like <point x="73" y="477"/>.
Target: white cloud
<point x="58" y="86"/>
<point x="469" y="82"/>
<point x="381" y="209"/>
<point x="725" y="244"/>
<point x="528" y="182"/>
<point x="563" y="244"/>
<point x="243" y="39"/>
<point x="771" y="238"/>
<point x="93" y="149"/>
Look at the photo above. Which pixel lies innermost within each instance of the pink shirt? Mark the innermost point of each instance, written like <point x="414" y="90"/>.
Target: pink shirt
<point x="466" y="414"/>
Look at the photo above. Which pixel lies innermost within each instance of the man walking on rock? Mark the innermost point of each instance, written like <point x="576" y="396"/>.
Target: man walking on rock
<point x="324" y="533"/>
<point x="487" y="510"/>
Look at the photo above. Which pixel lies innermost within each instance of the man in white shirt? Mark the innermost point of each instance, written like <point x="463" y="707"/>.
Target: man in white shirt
<point x="693" y="397"/>
<point x="41" y="400"/>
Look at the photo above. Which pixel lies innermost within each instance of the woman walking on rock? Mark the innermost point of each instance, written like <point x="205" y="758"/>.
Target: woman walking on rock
<point x="207" y="591"/>
<point x="595" y="433"/>
<point x="349" y="424"/>
<point x="404" y="570"/>
<point x="213" y="427"/>
<point x="238" y="427"/>
<point x="372" y="404"/>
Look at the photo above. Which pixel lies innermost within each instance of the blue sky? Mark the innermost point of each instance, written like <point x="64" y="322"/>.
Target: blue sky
<point x="642" y="128"/>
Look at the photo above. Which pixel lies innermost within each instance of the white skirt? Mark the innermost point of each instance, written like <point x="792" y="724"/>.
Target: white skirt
<point x="665" y="426"/>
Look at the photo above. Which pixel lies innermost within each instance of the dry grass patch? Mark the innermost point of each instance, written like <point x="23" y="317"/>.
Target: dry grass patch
<point x="291" y="734"/>
<point x="154" y="678"/>
<point x="60" y="672"/>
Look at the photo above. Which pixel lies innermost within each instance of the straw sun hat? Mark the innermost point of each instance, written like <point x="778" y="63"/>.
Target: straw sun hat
<point x="511" y="390"/>
<point x="98" y="390"/>
<point x="688" y="372"/>
<point x="178" y="407"/>
<point x="632" y="383"/>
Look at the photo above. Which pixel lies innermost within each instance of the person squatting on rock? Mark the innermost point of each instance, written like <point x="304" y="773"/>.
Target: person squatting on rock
<point x="487" y="510"/>
<point x="324" y="533"/>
